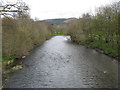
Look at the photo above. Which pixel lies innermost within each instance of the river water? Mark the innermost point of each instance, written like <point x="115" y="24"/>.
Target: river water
<point x="59" y="63"/>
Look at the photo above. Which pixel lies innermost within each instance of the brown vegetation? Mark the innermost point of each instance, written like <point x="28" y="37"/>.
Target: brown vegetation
<point x="20" y="35"/>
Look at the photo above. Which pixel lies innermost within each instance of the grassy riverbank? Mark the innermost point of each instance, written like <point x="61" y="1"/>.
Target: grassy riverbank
<point x="102" y="48"/>
<point x="20" y="35"/>
<point x="99" y="31"/>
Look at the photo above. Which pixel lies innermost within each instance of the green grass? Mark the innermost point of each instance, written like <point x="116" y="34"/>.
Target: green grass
<point x="100" y="45"/>
<point x="57" y="33"/>
<point x="105" y="47"/>
<point x="11" y="58"/>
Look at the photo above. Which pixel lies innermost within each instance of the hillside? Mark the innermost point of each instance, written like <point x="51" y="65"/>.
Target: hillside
<point x="58" y="21"/>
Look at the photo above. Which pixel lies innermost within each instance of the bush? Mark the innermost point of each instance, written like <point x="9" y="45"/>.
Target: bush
<point x="21" y="35"/>
<point x="98" y="31"/>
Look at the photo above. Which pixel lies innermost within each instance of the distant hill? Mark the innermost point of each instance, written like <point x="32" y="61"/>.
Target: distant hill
<point x="70" y="20"/>
<point x="59" y="20"/>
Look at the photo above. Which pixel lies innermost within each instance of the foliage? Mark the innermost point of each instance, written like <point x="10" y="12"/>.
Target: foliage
<point x="99" y="30"/>
<point x="20" y="35"/>
<point x="58" y="29"/>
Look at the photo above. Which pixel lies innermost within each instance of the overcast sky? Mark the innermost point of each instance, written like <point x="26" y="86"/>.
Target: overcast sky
<point x="47" y="9"/>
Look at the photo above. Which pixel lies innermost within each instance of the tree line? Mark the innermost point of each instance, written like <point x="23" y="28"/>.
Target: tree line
<point x="99" y="30"/>
<point x="20" y="33"/>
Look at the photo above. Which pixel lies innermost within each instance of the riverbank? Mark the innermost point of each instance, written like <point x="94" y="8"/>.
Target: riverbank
<point x="96" y="31"/>
<point x="20" y="36"/>
<point x="67" y="65"/>
<point x="104" y="48"/>
<point x="15" y="63"/>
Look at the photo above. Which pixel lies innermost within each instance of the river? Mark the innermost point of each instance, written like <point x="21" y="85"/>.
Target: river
<point x="59" y="63"/>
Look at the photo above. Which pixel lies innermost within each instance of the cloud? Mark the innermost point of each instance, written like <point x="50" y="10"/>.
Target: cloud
<point x="46" y="9"/>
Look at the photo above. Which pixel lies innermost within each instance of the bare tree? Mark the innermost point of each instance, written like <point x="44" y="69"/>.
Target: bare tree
<point x="20" y="8"/>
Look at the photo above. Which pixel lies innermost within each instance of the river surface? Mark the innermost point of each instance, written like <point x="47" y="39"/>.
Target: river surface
<point x="59" y="63"/>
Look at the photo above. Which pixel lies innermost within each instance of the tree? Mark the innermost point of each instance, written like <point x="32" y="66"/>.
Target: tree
<point x="19" y="9"/>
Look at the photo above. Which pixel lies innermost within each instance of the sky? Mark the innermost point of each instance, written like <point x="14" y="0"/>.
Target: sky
<point x="49" y="9"/>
